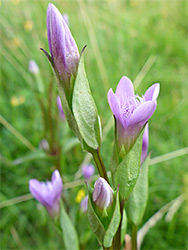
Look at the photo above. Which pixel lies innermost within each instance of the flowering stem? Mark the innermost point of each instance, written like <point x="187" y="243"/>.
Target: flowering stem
<point x="134" y="237"/>
<point x="100" y="164"/>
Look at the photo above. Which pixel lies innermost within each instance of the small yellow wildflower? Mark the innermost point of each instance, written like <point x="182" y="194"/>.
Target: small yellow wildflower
<point x="80" y="195"/>
<point x="16" y="42"/>
<point x="16" y="101"/>
<point x="28" y="25"/>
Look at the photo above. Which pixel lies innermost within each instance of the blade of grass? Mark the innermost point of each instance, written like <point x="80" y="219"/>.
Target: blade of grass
<point x="169" y="156"/>
<point x="143" y="72"/>
<point x="94" y="44"/>
<point x="16" y="133"/>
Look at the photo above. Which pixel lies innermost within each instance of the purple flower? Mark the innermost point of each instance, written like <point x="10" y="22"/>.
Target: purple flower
<point x="102" y="194"/>
<point x="84" y="204"/>
<point x="88" y="171"/>
<point x="48" y="193"/>
<point x="59" y="105"/>
<point x="33" y="67"/>
<point x="63" y="49"/>
<point x="131" y="111"/>
<point x="145" y="143"/>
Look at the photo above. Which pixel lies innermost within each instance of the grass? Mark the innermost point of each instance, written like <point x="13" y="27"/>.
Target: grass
<point x="144" y="40"/>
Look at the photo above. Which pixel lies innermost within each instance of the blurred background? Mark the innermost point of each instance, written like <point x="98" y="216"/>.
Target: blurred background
<point x="144" y="40"/>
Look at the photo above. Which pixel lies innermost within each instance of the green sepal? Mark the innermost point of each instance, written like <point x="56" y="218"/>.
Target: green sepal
<point x="94" y="221"/>
<point x="114" y="223"/>
<point x="127" y="172"/>
<point x="69" y="233"/>
<point x="84" y="109"/>
<point x="104" y="224"/>
<point x="137" y="201"/>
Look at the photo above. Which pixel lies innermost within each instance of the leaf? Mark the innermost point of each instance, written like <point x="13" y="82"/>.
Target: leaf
<point x="114" y="223"/>
<point x="137" y="201"/>
<point x="84" y="109"/>
<point x="69" y="233"/>
<point x="127" y="172"/>
<point x="94" y="221"/>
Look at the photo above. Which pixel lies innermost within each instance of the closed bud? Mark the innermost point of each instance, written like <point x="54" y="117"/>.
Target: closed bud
<point x="84" y="204"/>
<point x="63" y="49"/>
<point x="103" y="194"/>
<point x="145" y="143"/>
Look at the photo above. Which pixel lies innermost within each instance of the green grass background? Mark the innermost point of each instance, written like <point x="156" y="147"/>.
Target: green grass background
<point x="144" y="40"/>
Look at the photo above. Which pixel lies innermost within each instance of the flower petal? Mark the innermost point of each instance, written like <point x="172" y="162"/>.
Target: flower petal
<point x="37" y="190"/>
<point x="114" y="104"/>
<point x="143" y="113"/>
<point x="124" y="89"/>
<point x="152" y="93"/>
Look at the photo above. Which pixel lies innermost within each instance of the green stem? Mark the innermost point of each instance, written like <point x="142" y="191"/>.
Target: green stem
<point x="134" y="237"/>
<point x="100" y="164"/>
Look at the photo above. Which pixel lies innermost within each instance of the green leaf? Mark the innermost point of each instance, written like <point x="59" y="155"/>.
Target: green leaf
<point x="69" y="233"/>
<point x="114" y="223"/>
<point x="84" y="109"/>
<point x="94" y="221"/>
<point x="137" y="201"/>
<point x="127" y="172"/>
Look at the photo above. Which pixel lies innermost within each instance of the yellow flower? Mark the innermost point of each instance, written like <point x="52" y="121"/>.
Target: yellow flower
<point x="16" y="101"/>
<point x="28" y="25"/>
<point x="16" y="42"/>
<point x="80" y="195"/>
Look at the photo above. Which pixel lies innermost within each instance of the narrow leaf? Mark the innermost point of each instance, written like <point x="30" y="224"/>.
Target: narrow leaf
<point x="137" y="201"/>
<point x="84" y="109"/>
<point x="93" y="219"/>
<point x="69" y="233"/>
<point x="114" y="223"/>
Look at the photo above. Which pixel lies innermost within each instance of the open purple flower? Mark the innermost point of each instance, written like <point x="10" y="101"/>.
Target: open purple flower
<point x="103" y="194"/>
<point x="63" y="49"/>
<point x="59" y="105"/>
<point x="88" y="171"/>
<point x="145" y="143"/>
<point x="131" y="111"/>
<point x="48" y="193"/>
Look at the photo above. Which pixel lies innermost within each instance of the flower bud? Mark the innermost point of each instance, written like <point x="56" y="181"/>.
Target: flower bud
<point x="59" y="105"/>
<point x="63" y="49"/>
<point x="33" y="67"/>
<point x="44" y="145"/>
<point x="84" y="204"/>
<point x="103" y="194"/>
<point x="48" y="193"/>
<point x="145" y="143"/>
<point x="88" y="171"/>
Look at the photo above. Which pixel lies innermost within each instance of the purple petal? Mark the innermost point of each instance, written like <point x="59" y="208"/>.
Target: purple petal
<point x="124" y="89"/>
<point x="114" y="104"/>
<point x="142" y="113"/>
<point x="37" y="190"/>
<point x="55" y="175"/>
<point x="88" y="171"/>
<point x="152" y="93"/>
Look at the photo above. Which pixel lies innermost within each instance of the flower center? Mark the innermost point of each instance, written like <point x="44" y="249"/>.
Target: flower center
<point x="131" y="103"/>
